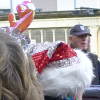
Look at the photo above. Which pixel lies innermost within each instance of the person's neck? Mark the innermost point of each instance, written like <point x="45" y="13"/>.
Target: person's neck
<point x="84" y="50"/>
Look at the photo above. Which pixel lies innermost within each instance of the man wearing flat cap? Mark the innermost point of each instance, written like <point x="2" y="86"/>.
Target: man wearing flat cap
<point x="79" y="38"/>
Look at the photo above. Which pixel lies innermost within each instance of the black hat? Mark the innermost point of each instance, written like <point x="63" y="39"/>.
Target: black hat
<point x="79" y="30"/>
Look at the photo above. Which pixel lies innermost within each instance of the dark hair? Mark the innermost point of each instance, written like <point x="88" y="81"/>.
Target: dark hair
<point x="17" y="74"/>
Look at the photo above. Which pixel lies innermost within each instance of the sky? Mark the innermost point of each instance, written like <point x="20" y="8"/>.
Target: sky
<point x="68" y="4"/>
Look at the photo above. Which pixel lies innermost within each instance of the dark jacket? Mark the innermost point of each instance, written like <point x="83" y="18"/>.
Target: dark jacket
<point x="96" y="65"/>
<point x="53" y="98"/>
<point x="93" y="93"/>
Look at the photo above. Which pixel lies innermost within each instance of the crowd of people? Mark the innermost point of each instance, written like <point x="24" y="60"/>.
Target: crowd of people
<point x="45" y="71"/>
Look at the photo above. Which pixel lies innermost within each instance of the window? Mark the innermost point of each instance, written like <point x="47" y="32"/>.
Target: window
<point x="47" y="35"/>
<point x="50" y="35"/>
<point x="59" y="34"/>
<point x="36" y="35"/>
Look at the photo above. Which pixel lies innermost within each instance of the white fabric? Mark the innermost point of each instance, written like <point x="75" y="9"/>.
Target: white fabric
<point x="67" y="80"/>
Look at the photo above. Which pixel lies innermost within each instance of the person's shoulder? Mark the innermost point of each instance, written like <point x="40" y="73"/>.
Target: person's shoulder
<point x="92" y="55"/>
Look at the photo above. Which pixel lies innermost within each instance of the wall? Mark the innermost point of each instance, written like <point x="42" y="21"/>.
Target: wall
<point x="46" y="5"/>
<point x="92" y="22"/>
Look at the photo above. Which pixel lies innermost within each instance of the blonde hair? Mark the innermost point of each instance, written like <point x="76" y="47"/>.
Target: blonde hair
<point x="17" y="75"/>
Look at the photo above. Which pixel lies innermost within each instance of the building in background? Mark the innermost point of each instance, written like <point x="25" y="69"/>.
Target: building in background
<point x="53" y="26"/>
<point x="53" y="5"/>
<point x="64" y="5"/>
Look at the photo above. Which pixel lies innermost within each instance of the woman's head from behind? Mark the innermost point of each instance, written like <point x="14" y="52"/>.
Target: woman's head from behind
<point x="17" y="77"/>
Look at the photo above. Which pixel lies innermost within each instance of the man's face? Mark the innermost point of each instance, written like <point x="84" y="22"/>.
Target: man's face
<point x="82" y="42"/>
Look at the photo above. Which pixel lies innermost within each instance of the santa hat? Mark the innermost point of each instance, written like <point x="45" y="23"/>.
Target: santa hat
<point x="62" y="70"/>
<point x="60" y="51"/>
